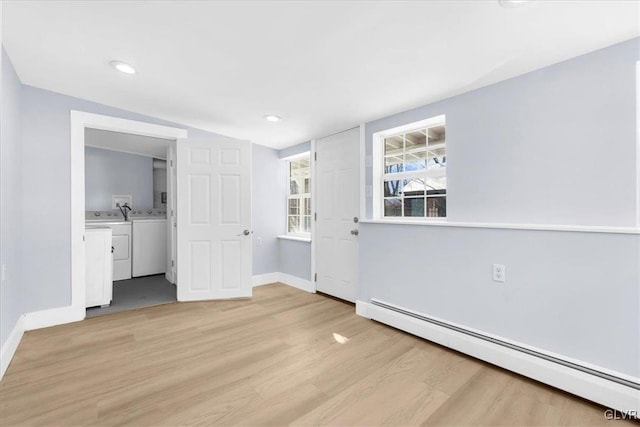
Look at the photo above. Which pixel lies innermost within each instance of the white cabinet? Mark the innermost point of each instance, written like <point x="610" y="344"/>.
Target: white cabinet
<point x="121" y="242"/>
<point x="99" y="283"/>
<point x="149" y="246"/>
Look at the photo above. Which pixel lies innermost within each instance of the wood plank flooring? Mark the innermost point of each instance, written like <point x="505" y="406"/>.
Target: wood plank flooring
<point x="276" y="359"/>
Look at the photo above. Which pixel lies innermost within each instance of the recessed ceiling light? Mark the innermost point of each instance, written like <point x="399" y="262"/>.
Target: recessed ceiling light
<point x="272" y="118"/>
<point x="513" y="3"/>
<point x="123" y="67"/>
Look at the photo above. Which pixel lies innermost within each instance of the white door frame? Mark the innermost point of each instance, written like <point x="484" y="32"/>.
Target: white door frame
<point x="314" y="209"/>
<point x="79" y="122"/>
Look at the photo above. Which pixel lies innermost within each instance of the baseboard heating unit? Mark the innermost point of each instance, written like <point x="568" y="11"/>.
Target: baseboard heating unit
<point x="611" y="389"/>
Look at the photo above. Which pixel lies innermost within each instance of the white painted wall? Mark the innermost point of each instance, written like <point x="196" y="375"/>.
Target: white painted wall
<point x="555" y="146"/>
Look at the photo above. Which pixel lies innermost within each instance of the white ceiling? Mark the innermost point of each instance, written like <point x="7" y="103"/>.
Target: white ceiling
<point x="323" y="66"/>
<point x="125" y="142"/>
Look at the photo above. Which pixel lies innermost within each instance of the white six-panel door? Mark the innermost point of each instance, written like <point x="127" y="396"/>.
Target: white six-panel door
<point x="214" y="219"/>
<point x="338" y="203"/>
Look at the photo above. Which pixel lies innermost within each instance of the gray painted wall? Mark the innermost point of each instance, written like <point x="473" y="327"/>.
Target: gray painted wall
<point x="295" y="256"/>
<point x="12" y="300"/>
<point x="46" y="153"/>
<point x="268" y="215"/>
<point x="555" y="146"/>
<point x="108" y="173"/>
<point x="574" y="294"/>
<point x="159" y="186"/>
<point x="295" y="149"/>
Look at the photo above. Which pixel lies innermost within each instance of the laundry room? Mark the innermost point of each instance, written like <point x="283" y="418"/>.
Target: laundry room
<point x="128" y="256"/>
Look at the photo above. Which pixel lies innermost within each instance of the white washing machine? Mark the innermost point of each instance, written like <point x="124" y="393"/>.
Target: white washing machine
<point x="149" y="246"/>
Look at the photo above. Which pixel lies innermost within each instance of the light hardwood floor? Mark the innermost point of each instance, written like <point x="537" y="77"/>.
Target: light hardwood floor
<point x="273" y="360"/>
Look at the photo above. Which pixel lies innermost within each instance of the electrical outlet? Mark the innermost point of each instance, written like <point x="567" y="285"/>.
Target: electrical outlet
<point x="258" y="241"/>
<point x="120" y="200"/>
<point x="499" y="273"/>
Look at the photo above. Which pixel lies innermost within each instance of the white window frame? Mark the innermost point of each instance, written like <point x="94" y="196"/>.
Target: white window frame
<point x="288" y="160"/>
<point x="378" y="168"/>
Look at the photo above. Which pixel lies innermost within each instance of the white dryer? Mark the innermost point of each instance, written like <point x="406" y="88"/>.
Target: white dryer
<point x="149" y="246"/>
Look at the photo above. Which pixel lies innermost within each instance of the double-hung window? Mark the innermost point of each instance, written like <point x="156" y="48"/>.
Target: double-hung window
<point x="299" y="196"/>
<point x="412" y="162"/>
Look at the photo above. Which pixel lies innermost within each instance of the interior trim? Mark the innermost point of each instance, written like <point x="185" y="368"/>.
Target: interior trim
<point x="508" y="226"/>
<point x="79" y="120"/>
<point x="295" y="238"/>
<point x="11" y="345"/>
<point x="287" y="279"/>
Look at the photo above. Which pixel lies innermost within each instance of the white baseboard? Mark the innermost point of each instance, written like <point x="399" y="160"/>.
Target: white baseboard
<point x="36" y="320"/>
<point x="583" y="384"/>
<point x="53" y="317"/>
<point x="296" y="282"/>
<point x="287" y="279"/>
<point x="11" y="345"/>
<point x="265" y="279"/>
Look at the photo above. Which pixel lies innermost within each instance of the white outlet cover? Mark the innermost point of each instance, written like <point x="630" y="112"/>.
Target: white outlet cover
<point x="499" y="273"/>
<point x="122" y="199"/>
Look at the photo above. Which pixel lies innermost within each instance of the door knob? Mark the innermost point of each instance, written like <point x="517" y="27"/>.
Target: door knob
<point x="355" y="232"/>
<point x="245" y="233"/>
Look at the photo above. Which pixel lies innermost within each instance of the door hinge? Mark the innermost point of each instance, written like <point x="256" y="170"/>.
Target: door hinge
<point x="171" y="163"/>
<point x="315" y="156"/>
<point x="83" y="238"/>
<point x="172" y="263"/>
<point x="315" y="216"/>
<point x="315" y="277"/>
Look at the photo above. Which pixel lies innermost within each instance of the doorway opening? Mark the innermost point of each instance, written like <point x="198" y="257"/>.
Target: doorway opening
<point x="122" y="180"/>
<point x="127" y="190"/>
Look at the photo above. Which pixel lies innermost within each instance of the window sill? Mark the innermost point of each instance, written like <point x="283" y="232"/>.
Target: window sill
<point x="406" y="221"/>
<point x="295" y="238"/>
<point x="506" y="226"/>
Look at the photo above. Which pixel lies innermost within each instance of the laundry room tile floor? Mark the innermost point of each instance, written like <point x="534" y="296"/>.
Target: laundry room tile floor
<point x="136" y="293"/>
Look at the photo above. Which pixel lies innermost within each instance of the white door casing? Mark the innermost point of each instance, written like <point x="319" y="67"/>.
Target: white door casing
<point x="214" y="219"/>
<point x="79" y="122"/>
<point x="172" y="224"/>
<point x="338" y="203"/>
